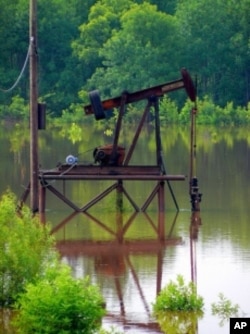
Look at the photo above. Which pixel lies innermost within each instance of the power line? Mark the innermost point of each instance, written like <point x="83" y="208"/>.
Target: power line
<point x="20" y="75"/>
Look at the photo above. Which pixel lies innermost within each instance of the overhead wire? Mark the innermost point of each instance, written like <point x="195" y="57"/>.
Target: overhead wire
<point x="20" y="75"/>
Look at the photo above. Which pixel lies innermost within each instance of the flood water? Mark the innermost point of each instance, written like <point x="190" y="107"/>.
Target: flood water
<point x="131" y="256"/>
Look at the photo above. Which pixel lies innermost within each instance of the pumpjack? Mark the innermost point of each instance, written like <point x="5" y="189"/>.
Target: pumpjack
<point x="114" y="154"/>
<point x="112" y="162"/>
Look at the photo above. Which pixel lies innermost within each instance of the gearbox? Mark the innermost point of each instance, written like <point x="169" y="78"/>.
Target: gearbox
<point x="106" y="156"/>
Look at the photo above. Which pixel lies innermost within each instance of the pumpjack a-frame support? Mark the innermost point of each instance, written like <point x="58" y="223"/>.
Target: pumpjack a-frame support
<point x="112" y="168"/>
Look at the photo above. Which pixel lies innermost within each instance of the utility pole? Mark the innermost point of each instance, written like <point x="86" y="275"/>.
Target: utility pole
<point x="33" y="108"/>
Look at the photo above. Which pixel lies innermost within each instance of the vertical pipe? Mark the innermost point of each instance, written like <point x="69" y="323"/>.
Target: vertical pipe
<point x="33" y="109"/>
<point x="195" y="196"/>
<point x="192" y="147"/>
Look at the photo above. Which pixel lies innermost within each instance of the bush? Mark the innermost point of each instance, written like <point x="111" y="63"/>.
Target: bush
<point x="178" y="297"/>
<point x="225" y="309"/>
<point x="25" y="247"/>
<point x="59" y="303"/>
<point x="18" y="109"/>
<point x="47" y="298"/>
<point x="168" y="110"/>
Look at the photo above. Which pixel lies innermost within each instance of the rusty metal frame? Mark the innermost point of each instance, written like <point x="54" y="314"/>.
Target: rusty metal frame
<point x="122" y="172"/>
<point x="117" y="173"/>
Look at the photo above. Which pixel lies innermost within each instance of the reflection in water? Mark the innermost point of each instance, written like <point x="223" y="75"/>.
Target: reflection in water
<point x="223" y="246"/>
<point x="117" y="264"/>
<point x="113" y="260"/>
<point x="194" y="230"/>
<point x="179" y="322"/>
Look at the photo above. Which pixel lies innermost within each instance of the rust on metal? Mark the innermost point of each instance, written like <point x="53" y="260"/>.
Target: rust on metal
<point x="185" y="82"/>
<point x="83" y="172"/>
<point x="114" y="177"/>
<point x="137" y="96"/>
<point x="111" y="162"/>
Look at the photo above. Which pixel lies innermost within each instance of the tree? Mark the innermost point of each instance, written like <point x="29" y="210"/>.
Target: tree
<point x="168" y="6"/>
<point x="58" y="70"/>
<point x="14" y="43"/>
<point x="103" y="19"/>
<point x="210" y="30"/>
<point x="240" y="46"/>
<point x="19" y="235"/>
<point x="142" y="53"/>
<point x="57" y="24"/>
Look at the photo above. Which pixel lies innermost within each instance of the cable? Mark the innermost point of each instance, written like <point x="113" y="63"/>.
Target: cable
<point x="20" y="75"/>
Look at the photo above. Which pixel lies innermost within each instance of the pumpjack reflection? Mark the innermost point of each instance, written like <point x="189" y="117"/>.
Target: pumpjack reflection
<point x="194" y="231"/>
<point x="128" y="270"/>
<point x="177" y="322"/>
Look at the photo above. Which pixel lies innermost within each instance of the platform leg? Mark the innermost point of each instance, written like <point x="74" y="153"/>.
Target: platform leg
<point x="119" y="210"/>
<point x="42" y="203"/>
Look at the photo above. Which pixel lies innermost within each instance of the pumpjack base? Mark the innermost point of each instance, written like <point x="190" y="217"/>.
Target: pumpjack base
<point x="106" y="173"/>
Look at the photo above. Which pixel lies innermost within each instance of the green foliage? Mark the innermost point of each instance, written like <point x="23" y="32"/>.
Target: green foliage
<point x="17" y="109"/>
<point x="225" y="309"/>
<point x="133" y="57"/>
<point x="59" y="303"/>
<point x="178" y="307"/>
<point x="167" y="7"/>
<point x="73" y="114"/>
<point x="168" y="110"/>
<point x="49" y="300"/>
<point x="204" y="30"/>
<point x="178" y="296"/>
<point x="24" y="249"/>
<point x="133" y="113"/>
<point x="128" y="45"/>
<point x="59" y="79"/>
<point x="103" y="19"/>
<point x="208" y="113"/>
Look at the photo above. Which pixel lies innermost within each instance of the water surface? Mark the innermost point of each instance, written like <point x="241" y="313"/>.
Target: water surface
<point x="131" y="256"/>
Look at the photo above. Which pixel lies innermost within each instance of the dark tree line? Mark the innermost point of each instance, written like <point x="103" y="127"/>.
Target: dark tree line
<point x="115" y="45"/>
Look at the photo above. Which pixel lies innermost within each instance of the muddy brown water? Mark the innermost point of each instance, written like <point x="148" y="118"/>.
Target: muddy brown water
<point x="131" y="256"/>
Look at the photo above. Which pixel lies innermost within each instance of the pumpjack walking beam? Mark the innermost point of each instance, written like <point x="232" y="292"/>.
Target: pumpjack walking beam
<point x="97" y="106"/>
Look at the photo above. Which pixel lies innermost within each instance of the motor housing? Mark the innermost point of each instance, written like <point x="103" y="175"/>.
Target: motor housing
<point x="103" y="155"/>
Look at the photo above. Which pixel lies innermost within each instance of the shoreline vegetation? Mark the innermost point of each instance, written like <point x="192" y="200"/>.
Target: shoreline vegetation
<point x="170" y="114"/>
